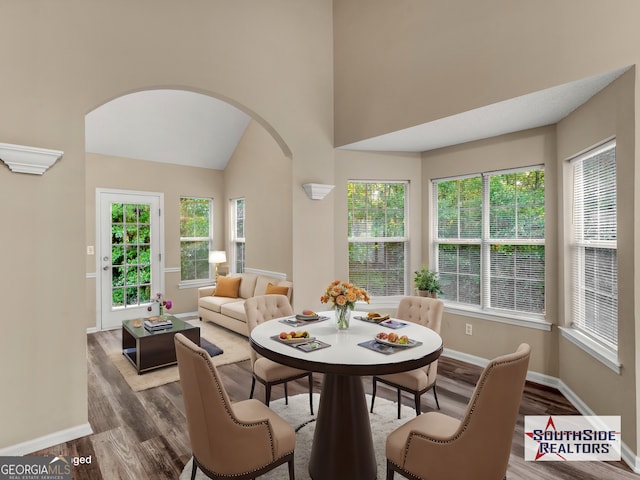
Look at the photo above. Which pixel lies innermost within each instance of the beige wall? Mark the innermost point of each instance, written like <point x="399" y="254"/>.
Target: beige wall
<point x="407" y="62"/>
<point x="527" y="148"/>
<point x="261" y="173"/>
<point x="404" y="63"/>
<point x="609" y="114"/>
<point x="272" y="59"/>
<point x="397" y="64"/>
<point x="352" y="165"/>
<point x="173" y="181"/>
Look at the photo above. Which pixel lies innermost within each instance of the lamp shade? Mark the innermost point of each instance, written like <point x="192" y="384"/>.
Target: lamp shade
<point x="217" y="256"/>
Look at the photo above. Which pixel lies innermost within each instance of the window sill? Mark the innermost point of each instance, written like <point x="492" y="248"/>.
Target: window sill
<point x="392" y="302"/>
<point x="593" y="348"/>
<point x="517" y="320"/>
<point x="196" y="284"/>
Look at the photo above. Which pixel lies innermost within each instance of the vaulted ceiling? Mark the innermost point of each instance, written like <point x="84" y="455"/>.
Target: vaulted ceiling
<point x="187" y="128"/>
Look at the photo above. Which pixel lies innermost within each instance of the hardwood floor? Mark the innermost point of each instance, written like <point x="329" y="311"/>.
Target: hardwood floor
<point x="143" y="435"/>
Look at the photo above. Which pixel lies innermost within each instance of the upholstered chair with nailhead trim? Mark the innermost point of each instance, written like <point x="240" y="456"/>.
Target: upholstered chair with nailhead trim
<point x="435" y="446"/>
<point x="263" y="308"/>
<point x="241" y="440"/>
<point x="427" y="312"/>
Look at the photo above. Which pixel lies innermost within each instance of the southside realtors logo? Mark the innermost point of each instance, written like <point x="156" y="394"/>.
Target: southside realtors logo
<point x="571" y="438"/>
<point x="35" y="468"/>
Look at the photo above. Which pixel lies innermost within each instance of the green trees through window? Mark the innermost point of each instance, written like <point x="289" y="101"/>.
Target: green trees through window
<point x="378" y="238"/>
<point x="130" y="254"/>
<point x="195" y="238"/>
<point x="489" y="239"/>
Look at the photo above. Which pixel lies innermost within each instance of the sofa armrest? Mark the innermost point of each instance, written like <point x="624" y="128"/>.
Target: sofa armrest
<point x="206" y="291"/>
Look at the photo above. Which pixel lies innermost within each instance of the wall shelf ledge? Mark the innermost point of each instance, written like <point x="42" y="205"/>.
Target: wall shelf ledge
<point x="23" y="159"/>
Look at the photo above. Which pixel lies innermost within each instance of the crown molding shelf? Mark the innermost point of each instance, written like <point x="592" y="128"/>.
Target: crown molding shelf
<point x="22" y="159"/>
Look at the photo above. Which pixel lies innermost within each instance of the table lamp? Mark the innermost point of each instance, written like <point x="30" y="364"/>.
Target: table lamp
<point x="216" y="257"/>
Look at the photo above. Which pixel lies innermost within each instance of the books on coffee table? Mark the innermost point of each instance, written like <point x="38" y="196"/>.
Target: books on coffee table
<point x="158" y="324"/>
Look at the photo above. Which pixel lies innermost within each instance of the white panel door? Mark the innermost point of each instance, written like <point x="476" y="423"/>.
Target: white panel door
<point x="129" y="256"/>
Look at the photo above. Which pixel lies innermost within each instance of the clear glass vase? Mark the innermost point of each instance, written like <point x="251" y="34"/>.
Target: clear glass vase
<point x="343" y="315"/>
<point x="160" y="310"/>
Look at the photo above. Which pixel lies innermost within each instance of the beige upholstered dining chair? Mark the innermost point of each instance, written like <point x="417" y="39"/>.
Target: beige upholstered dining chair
<point x="435" y="446"/>
<point x="427" y="312"/>
<point x="241" y="440"/>
<point x="263" y="308"/>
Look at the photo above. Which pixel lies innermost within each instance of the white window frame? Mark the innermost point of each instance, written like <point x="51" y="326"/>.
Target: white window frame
<point x="377" y="299"/>
<point x="484" y="243"/>
<point x="199" y="281"/>
<point x="237" y="240"/>
<point x="603" y="349"/>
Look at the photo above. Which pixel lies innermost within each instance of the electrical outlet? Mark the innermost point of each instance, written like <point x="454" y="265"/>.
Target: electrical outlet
<point x="468" y="329"/>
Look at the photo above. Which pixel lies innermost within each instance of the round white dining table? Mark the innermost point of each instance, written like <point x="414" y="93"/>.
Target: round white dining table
<point x="342" y="445"/>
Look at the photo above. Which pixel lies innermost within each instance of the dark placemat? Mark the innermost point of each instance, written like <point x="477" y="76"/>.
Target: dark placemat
<point x="391" y="323"/>
<point x="310" y="346"/>
<point x="370" y="320"/>
<point x="210" y="348"/>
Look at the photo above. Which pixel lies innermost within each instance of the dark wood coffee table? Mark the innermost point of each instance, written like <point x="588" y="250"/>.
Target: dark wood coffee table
<point x="149" y="350"/>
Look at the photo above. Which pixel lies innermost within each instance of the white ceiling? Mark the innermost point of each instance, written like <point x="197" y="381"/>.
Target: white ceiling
<point x="170" y="126"/>
<point x="537" y="109"/>
<point x="187" y="128"/>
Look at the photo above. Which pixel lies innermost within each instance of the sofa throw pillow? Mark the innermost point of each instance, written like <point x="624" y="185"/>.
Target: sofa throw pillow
<point x="276" y="289"/>
<point x="227" y="287"/>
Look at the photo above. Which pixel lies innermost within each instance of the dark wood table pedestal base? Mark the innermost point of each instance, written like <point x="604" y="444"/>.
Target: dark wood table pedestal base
<point x="343" y="429"/>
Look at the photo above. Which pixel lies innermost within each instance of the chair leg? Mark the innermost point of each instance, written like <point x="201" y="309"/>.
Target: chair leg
<point x="253" y="386"/>
<point x="311" y="393"/>
<point x="292" y="473"/>
<point x="399" y="402"/>
<point x="373" y="394"/>
<point x="286" y="394"/>
<point x="390" y="471"/>
<point x="435" y="395"/>
<point x="267" y="394"/>
<point x="417" y="402"/>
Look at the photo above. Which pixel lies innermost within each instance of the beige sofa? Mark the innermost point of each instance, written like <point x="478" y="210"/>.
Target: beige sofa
<point x="228" y="311"/>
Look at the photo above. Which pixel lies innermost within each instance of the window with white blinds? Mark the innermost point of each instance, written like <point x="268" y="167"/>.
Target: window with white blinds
<point x="594" y="289"/>
<point x="378" y="236"/>
<point x="196" y="234"/>
<point x="237" y="245"/>
<point x="489" y="240"/>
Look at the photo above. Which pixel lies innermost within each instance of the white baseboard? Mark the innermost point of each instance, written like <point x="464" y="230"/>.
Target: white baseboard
<point x="465" y="357"/>
<point x="628" y="456"/>
<point x="46" y="441"/>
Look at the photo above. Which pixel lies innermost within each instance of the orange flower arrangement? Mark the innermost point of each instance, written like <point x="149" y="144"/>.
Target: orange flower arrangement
<point x="344" y="295"/>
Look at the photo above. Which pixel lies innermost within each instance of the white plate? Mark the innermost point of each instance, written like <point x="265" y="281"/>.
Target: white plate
<point x="412" y="343"/>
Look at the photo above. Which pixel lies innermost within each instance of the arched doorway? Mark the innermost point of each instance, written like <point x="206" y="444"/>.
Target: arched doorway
<point x="147" y="143"/>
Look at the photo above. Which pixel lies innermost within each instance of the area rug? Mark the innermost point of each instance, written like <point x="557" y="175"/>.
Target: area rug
<point x="383" y="421"/>
<point x="235" y="348"/>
